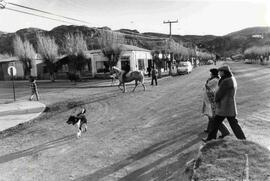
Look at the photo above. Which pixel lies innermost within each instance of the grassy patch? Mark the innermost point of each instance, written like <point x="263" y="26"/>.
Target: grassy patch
<point x="225" y="160"/>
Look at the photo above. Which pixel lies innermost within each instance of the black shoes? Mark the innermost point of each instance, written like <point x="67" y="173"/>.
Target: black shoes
<point x="223" y="136"/>
<point x="220" y="137"/>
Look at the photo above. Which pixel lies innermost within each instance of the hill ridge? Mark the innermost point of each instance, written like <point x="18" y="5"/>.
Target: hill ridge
<point x="227" y="45"/>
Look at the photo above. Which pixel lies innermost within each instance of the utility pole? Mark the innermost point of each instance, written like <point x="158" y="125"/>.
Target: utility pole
<point x="171" y="53"/>
<point x="170" y="22"/>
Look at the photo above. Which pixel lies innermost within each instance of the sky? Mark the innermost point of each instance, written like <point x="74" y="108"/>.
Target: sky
<point x="195" y="17"/>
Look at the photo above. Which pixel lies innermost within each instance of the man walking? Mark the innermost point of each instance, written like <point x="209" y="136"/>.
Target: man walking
<point x="154" y="75"/>
<point x="226" y="105"/>
<point x="149" y="71"/>
<point x="34" y="90"/>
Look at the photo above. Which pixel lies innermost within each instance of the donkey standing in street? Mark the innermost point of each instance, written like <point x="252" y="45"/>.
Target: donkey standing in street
<point x="135" y="75"/>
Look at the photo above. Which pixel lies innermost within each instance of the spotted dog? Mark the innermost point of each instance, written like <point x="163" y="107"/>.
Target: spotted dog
<point x="80" y="121"/>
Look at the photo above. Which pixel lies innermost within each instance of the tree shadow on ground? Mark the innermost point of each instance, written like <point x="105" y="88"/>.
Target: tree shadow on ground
<point x="172" y="171"/>
<point x="36" y="149"/>
<point x="150" y="172"/>
<point x="142" y="154"/>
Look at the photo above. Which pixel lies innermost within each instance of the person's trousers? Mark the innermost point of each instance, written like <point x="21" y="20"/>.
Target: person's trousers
<point x="154" y="79"/>
<point x="32" y="95"/>
<point x="233" y="123"/>
<point x="222" y="127"/>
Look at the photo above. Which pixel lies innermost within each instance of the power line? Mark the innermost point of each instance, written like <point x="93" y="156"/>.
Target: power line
<point x="126" y="34"/>
<point x="130" y="34"/>
<point x="24" y="12"/>
<point x="137" y="35"/>
<point x="41" y="16"/>
<point x="34" y="9"/>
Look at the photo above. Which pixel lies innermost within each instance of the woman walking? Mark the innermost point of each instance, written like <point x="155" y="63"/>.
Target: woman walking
<point x="226" y="105"/>
<point x="209" y="105"/>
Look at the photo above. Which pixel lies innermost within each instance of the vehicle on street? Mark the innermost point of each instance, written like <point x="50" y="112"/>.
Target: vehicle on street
<point x="184" y="68"/>
<point x="210" y="62"/>
<point x="247" y="61"/>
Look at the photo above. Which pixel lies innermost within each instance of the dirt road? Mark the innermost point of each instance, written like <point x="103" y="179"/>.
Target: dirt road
<point x="134" y="136"/>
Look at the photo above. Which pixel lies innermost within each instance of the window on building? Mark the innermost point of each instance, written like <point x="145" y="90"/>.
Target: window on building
<point x="102" y="66"/>
<point x="125" y="60"/>
<point x="65" y="68"/>
<point x="141" y="64"/>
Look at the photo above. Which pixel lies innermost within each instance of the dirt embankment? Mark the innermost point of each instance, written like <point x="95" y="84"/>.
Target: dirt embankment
<point x="225" y="159"/>
<point x="231" y="159"/>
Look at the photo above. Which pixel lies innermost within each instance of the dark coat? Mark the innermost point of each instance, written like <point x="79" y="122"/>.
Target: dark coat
<point x="154" y="72"/>
<point x="225" y="98"/>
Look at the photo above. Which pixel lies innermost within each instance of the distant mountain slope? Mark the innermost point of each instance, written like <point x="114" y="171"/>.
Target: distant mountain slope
<point x="128" y="31"/>
<point x="6" y="40"/>
<point x="185" y="38"/>
<point x="250" y="31"/>
<point x="238" y="41"/>
<point x="1" y="32"/>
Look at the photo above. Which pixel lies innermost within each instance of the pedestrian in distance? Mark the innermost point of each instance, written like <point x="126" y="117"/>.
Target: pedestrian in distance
<point x="34" y="89"/>
<point x="209" y="105"/>
<point x="226" y="104"/>
<point x="154" y="76"/>
<point x="149" y="71"/>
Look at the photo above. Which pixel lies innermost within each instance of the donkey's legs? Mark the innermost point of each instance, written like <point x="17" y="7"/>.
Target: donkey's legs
<point x="120" y="85"/>
<point x="112" y="81"/>
<point x="136" y="84"/>
<point x="143" y="86"/>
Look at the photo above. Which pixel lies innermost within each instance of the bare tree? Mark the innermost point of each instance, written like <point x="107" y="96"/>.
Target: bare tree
<point x="48" y="50"/>
<point x="75" y="44"/>
<point x="75" y="47"/>
<point x="204" y="56"/>
<point x="110" y="43"/>
<point x="26" y="53"/>
<point x="258" y="52"/>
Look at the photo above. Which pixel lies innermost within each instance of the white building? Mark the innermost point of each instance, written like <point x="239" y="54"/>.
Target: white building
<point x="257" y="36"/>
<point x="137" y="58"/>
<point x="99" y="63"/>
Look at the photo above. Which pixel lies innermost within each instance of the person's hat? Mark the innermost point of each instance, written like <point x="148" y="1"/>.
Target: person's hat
<point x="214" y="71"/>
<point x="224" y="68"/>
